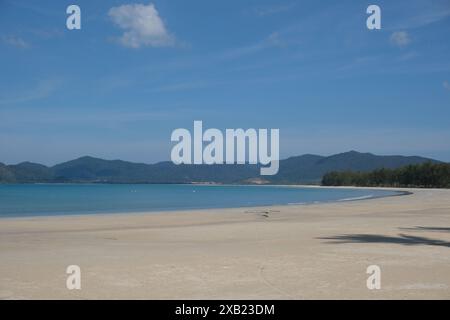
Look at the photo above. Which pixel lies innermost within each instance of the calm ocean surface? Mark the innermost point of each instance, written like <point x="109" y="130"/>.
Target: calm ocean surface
<point x="64" y="199"/>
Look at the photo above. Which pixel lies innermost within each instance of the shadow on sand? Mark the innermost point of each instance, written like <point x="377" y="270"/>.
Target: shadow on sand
<point x="374" y="238"/>
<point x="436" y="229"/>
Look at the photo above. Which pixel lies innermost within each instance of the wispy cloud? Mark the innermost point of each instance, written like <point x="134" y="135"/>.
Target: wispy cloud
<point x="142" y="26"/>
<point x="382" y="140"/>
<point x="360" y="62"/>
<point x="97" y="117"/>
<point x="46" y="33"/>
<point x="35" y="8"/>
<point x="273" y="40"/>
<point x="446" y="85"/>
<point x="181" y="86"/>
<point x="269" y="10"/>
<point x="426" y="18"/>
<point x="409" y="56"/>
<point x="400" y="38"/>
<point x="15" y="41"/>
<point x="420" y="14"/>
<point x="42" y="90"/>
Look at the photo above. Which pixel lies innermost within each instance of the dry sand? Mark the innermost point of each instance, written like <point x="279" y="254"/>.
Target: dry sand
<point x="287" y="252"/>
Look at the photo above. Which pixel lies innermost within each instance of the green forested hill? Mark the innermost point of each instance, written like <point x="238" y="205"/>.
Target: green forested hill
<point x="301" y="169"/>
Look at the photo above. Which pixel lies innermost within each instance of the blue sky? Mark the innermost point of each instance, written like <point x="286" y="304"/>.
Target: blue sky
<point x="120" y="85"/>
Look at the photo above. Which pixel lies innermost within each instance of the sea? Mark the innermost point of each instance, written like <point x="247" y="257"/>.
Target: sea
<point x="25" y="200"/>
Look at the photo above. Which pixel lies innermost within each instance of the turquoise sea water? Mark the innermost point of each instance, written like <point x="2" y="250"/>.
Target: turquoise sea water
<point x="64" y="199"/>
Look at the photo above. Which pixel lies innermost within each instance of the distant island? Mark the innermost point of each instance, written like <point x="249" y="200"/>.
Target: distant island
<point x="304" y="169"/>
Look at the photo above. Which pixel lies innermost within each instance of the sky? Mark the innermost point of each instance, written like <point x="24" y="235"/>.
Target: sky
<point x="136" y="71"/>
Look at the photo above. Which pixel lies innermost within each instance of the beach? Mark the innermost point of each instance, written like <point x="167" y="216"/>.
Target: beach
<point x="316" y="251"/>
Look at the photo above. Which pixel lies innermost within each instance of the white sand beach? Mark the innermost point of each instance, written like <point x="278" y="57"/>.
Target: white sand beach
<point x="285" y="252"/>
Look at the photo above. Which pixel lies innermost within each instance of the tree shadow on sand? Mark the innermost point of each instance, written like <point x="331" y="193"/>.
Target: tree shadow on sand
<point x="374" y="238"/>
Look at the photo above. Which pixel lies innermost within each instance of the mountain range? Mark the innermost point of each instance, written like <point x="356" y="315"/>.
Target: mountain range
<point x="307" y="169"/>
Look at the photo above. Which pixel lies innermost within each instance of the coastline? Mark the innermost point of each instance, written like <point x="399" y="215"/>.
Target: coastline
<point x="273" y="252"/>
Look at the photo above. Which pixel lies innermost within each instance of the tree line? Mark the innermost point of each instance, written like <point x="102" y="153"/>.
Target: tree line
<point x="424" y="175"/>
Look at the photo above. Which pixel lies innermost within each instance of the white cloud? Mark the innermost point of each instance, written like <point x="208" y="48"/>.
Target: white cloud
<point x="400" y="38"/>
<point x="15" y="42"/>
<point x="142" y="26"/>
<point x="446" y="85"/>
